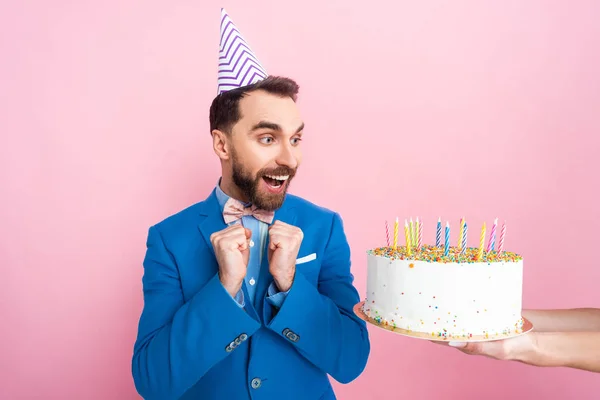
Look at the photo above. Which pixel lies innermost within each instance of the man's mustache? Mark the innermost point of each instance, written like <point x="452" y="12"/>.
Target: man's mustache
<point x="279" y="171"/>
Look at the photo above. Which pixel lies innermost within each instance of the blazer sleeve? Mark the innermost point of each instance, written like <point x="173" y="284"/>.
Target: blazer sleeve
<point x="178" y="341"/>
<point x="320" y="321"/>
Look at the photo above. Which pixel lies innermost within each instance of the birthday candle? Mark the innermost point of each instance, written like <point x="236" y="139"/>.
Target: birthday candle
<point x="492" y="242"/>
<point x="413" y="240"/>
<point x="420" y="238"/>
<point x="396" y="234"/>
<point x="502" y="233"/>
<point x="460" y="235"/>
<point x="407" y="234"/>
<point x="481" y="242"/>
<point x="412" y="232"/>
<point x="387" y="234"/>
<point x="438" y="233"/>
<point x="464" y="238"/>
<point x="447" y="238"/>
<point x="415" y="237"/>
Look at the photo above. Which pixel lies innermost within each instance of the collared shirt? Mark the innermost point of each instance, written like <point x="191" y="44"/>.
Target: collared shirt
<point x="258" y="241"/>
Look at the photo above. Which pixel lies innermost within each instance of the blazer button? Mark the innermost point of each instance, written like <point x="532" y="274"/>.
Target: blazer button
<point x="290" y="335"/>
<point x="237" y="341"/>
<point x="243" y="337"/>
<point x="228" y="349"/>
<point x="256" y="382"/>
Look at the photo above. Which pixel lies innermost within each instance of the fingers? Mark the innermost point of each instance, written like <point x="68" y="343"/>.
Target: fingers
<point x="246" y="242"/>
<point x="277" y="239"/>
<point x="234" y="236"/>
<point x="275" y="233"/>
<point x="466" y="347"/>
<point x="456" y="345"/>
<point x="243" y="245"/>
<point x="469" y="348"/>
<point x="281" y="233"/>
<point x="225" y="232"/>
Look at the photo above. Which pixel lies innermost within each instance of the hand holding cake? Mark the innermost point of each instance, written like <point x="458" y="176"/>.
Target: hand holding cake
<point x="562" y="338"/>
<point x="470" y="298"/>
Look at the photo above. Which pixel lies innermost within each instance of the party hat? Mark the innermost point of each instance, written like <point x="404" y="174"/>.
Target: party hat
<point x="238" y="66"/>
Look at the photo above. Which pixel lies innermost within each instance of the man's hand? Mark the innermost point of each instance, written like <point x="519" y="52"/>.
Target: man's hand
<point x="232" y="250"/>
<point x="506" y="349"/>
<point x="284" y="244"/>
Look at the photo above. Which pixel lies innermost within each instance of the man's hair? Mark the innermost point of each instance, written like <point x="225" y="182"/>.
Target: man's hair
<point x="225" y="110"/>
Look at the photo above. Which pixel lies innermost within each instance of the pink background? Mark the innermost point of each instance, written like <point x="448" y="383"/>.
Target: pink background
<point x="452" y="109"/>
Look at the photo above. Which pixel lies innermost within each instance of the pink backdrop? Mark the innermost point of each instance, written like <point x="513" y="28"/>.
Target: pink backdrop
<point x="450" y="109"/>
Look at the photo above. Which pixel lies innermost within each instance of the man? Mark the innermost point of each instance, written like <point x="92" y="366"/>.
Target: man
<point x="248" y="294"/>
<point x="560" y="338"/>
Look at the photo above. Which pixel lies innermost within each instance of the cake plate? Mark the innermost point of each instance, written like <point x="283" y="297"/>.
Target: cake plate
<point x="358" y="310"/>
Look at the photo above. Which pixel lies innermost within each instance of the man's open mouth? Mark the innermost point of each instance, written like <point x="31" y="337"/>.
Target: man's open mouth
<point x="275" y="181"/>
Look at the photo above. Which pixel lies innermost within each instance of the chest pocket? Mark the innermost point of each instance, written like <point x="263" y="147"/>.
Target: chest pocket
<point x="309" y="265"/>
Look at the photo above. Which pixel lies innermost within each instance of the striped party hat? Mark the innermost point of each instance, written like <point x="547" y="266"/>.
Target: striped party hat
<point x="238" y="66"/>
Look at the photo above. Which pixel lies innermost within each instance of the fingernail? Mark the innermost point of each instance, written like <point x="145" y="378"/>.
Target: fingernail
<point x="457" y="344"/>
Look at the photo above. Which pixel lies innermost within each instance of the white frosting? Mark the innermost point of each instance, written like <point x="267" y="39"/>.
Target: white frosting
<point x="445" y="299"/>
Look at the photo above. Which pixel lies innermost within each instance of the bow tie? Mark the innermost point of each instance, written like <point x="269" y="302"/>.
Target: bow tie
<point x="234" y="210"/>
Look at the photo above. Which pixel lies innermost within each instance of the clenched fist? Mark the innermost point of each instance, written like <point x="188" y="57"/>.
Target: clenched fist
<point x="284" y="244"/>
<point x="232" y="250"/>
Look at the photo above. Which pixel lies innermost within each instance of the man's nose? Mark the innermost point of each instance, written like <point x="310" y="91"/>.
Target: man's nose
<point x="287" y="157"/>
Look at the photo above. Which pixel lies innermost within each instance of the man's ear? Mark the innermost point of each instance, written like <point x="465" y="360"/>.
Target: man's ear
<point x="220" y="144"/>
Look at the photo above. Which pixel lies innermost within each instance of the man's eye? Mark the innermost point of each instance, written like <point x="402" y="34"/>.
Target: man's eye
<point x="296" y="141"/>
<point x="266" y="140"/>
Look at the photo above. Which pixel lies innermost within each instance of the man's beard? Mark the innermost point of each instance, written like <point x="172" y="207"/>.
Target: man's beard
<point x="249" y="186"/>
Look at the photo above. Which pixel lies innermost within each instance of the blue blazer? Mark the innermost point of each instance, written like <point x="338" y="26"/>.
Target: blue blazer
<point x="195" y="342"/>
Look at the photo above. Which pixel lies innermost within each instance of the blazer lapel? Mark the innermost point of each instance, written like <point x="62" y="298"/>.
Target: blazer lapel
<point x="212" y="220"/>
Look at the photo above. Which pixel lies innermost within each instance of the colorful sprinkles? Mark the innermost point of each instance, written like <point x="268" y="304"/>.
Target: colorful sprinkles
<point x="444" y="334"/>
<point x="430" y="253"/>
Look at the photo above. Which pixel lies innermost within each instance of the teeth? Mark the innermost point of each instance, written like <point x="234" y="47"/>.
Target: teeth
<point x="278" y="177"/>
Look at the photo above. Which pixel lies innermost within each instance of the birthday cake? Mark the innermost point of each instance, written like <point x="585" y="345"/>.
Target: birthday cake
<point x="445" y="291"/>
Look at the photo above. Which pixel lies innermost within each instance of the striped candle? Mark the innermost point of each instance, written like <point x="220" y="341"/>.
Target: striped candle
<point x="447" y="239"/>
<point x="415" y="237"/>
<point x="420" y="238"/>
<point x="501" y="243"/>
<point x="438" y="233"/>
<point x="396" y="234"/>
<point x="387" y="234"/>
<point x="460" y="235"/>
<point x="492" y="242"/>
<point x="481" y="243"/>
<point x="407" y="234"/>
<point x="411" y="232"/>
<point x="463" y="248"/>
